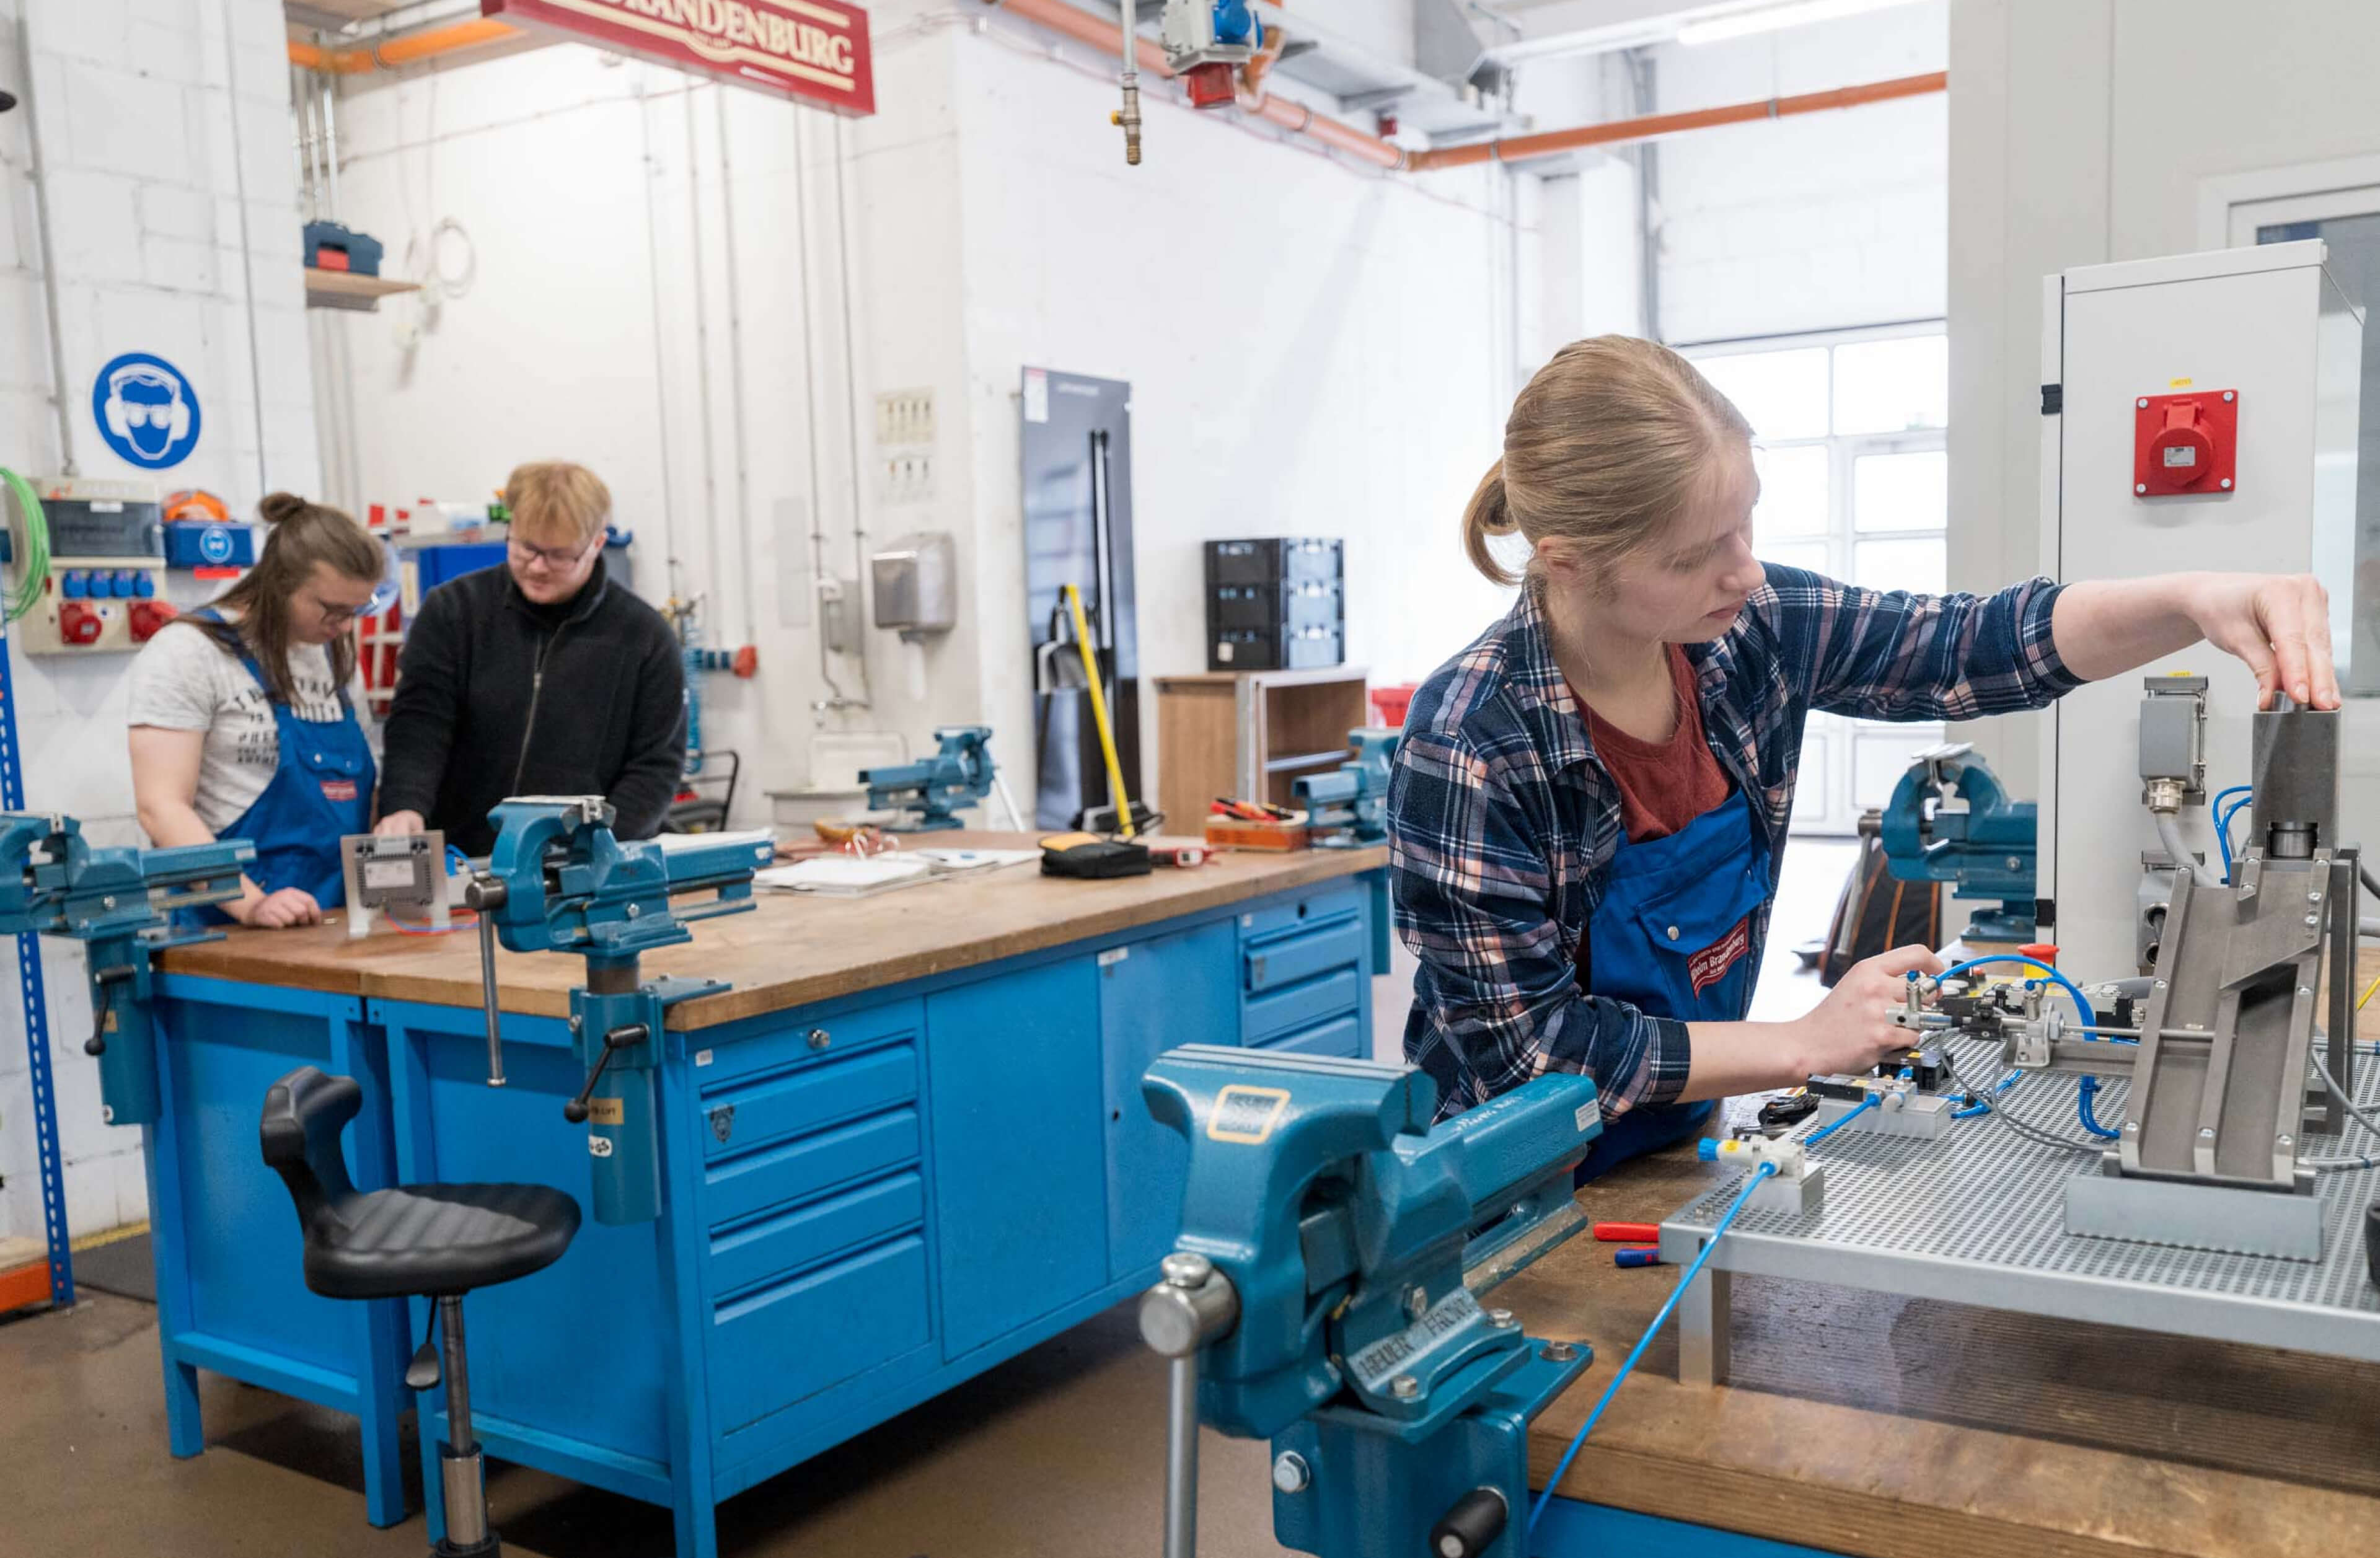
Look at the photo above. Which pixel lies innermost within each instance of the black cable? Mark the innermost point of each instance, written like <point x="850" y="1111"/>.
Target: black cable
<point x="2023" y="1127"/>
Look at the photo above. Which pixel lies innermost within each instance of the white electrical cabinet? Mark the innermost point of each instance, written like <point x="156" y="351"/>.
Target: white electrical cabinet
<point x="2137" y="361"/>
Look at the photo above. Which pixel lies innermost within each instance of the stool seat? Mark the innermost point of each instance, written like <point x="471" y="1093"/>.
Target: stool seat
<point x="435" y="1239"/>
<point x="430" y="1241"/>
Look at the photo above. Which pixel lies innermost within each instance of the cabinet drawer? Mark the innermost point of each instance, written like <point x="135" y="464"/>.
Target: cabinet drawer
<point x="1275" y="964"/>
<point x="1342" y="1039"/>
<point x="772" y="1348"/>
<point x="789" y="1241"/>
<point x="798" y="1170"/>
<point x="1300" y="1005"/>
<point x="1323" y="902"/>
<point x="838" y="1034"/>
<point x="771" y="1105"/>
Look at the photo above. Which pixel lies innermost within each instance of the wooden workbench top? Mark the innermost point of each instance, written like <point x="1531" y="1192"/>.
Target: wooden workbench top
<point x="1893" y="1428"/>
<point x="794" y="950"/>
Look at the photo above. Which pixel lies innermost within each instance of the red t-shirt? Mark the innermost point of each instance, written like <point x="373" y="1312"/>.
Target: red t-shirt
<point x="1664" y="785"/>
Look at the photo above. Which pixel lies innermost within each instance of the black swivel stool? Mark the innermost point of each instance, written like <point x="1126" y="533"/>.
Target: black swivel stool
<point x="435" y="1241"/>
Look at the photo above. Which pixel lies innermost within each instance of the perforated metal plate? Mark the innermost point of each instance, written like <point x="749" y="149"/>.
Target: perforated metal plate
<point x="1978" y="1217"/>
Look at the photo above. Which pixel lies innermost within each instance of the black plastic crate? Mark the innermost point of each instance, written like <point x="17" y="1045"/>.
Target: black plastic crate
<point x="1274" y="560"/>
<point x="1313" y="604"/>
<point x="1269" y="649"/>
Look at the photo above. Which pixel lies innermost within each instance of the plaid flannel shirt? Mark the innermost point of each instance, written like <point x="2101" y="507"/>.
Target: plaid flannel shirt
<point x="1502" y="823"/>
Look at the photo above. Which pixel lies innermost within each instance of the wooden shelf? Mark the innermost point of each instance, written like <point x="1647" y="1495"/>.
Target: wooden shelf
<point x="345" y="290"/>
<point x="1250" y="733"/>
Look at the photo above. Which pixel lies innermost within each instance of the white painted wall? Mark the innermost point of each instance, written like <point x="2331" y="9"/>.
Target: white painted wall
<point x="1812" y="223"/>
<point x="2080" y="131"/>
<point x="1315" y="348"/>
<point x="152" y="151"/>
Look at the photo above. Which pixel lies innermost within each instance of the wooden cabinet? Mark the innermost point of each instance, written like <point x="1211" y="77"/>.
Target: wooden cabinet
<point x="1250" y="734"/>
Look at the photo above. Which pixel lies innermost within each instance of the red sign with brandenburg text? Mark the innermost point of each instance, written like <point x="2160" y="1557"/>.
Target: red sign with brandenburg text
<point x="807" y="50"/>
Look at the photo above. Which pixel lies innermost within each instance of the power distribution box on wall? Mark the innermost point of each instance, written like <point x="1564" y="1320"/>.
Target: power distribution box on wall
<point x="104" y="591"/>
<point x="2207" y="418"/>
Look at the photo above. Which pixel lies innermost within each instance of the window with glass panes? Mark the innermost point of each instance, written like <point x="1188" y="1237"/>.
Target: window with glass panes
<point x="1848" y="434"/>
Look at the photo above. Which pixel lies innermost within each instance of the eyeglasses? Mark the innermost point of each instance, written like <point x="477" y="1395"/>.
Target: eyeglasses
<point x="341" y="616"/>
<point x="555" y="557"/>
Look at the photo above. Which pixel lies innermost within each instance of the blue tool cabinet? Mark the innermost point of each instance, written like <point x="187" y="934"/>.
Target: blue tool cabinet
<point x="866" y="1200"/>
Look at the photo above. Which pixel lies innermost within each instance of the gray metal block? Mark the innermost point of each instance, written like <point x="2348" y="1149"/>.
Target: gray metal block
<point x="2210" y="1217"/>
<point x="1923" y="1115"/>
<point x="1805" y="1197"/>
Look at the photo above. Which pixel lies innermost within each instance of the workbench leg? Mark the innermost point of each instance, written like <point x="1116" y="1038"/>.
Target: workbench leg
<point x="678" y="1242"/>
<point x="433" y="1481"/>
<point x="1703" y="1328"/>
<point x="376" y="1328"/>
<point x="186" y="1434"/>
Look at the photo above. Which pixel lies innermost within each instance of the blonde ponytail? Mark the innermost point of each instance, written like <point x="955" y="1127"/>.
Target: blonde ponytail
<point x="1604" y="447"/>
<point x="1487" y="513"/>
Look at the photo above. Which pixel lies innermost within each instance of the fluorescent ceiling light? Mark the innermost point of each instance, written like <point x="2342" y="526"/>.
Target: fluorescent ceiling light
<point x="1745" y="24"/>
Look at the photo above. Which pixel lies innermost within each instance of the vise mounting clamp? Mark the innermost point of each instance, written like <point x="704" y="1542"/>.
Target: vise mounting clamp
<point x="1324" y="1294"/>
<point x="120" y="904"/>
<point x="559" y="881"/>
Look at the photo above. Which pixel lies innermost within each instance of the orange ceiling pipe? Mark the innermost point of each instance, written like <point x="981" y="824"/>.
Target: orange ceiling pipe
<point x="1520" y="148"/>
<point x="410" y="49"/>
<point x="1107" y="36"/>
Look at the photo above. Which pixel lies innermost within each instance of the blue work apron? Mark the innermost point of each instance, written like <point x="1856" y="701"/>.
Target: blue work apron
<point x="1672" y="937"/>
<point x="321" y="791"/>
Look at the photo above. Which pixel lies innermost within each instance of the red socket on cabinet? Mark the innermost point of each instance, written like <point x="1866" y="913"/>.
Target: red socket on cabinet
<point x="2185" y="442"/>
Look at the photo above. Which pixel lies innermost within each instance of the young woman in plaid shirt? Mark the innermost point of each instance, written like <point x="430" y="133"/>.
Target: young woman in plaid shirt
<point x="1590" y="802"/>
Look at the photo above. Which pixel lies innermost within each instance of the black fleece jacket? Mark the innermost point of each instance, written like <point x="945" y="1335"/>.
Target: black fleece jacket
<point x="500" y="697"/>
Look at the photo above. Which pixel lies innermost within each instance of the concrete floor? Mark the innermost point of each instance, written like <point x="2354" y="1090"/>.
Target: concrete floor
<point x="1058" y="1452"/>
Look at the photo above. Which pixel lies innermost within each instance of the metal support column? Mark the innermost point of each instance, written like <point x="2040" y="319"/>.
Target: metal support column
<point x="37" y="1017"/>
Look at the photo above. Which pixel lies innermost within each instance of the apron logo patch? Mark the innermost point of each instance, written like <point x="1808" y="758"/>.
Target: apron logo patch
<point x="1709" y="966"/>
<point x="338" y="789"/>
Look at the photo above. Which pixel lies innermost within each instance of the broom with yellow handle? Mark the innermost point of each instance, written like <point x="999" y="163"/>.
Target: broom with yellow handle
<point x="1099" y="712"/>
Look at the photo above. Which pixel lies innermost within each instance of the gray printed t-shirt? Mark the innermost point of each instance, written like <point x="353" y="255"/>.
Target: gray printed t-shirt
<point x="183" y="680"/>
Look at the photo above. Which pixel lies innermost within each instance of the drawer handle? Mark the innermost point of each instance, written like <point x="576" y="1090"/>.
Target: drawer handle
<point x="821" y="1037"/>
<point x="1257" y="968"/>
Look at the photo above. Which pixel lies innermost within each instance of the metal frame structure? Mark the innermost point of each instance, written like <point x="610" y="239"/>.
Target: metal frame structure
<point x="31" y="985"/>
<point x="1979" y="1218"/>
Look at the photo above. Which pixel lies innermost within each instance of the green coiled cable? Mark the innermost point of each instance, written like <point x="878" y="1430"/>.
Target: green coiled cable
<point x="33" y="567"/>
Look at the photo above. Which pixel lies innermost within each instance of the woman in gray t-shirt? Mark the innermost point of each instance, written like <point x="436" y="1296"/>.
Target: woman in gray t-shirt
<point x="247" y="718"/>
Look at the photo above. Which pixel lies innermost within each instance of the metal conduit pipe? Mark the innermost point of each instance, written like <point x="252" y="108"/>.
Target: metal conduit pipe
<point x="411" y="49"/>
<point x="1520" y="148"/>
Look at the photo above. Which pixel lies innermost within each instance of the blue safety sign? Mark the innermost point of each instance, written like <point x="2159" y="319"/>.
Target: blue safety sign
<point x="146" y="410"/>
<point x="215" y="544"/>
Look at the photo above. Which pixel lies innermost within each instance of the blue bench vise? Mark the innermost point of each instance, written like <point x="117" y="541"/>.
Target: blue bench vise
<point x="957" y="775"/>
<point x="1349" y="806"/>
<point x="120" y="904"/>
<point x="1985" y="850"/>
<point x="559" y="881"/>
<point x="1324" y="1294"/>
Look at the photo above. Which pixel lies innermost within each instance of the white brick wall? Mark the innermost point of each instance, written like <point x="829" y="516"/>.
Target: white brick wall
<point x="146" y="181"/>
<point x="1815" y="222"/>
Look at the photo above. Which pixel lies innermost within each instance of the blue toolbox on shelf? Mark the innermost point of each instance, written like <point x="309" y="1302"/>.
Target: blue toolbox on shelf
<point x="199" y="544"/>
<point x="330" y="247"/>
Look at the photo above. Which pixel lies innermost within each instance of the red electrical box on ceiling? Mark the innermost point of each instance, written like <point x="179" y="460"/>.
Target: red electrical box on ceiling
<point x="2185" y="442"/>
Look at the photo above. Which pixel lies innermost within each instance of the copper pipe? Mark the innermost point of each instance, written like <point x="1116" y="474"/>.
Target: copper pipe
<point x="1520" y="148"/>
<point x="410" y="49"/>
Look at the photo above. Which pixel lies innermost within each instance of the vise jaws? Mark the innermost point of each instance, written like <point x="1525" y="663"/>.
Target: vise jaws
<point x="1324" y="1294"/>
<point x="120" y="904"/>
<point x="959" y="774"/>
<point x="1949" y="821"/>
<point x="559" y="881"/>
<point x="1349" y="806"/>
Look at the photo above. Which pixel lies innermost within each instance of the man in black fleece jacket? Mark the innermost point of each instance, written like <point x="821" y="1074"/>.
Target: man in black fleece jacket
<point x="539" y="678"/>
